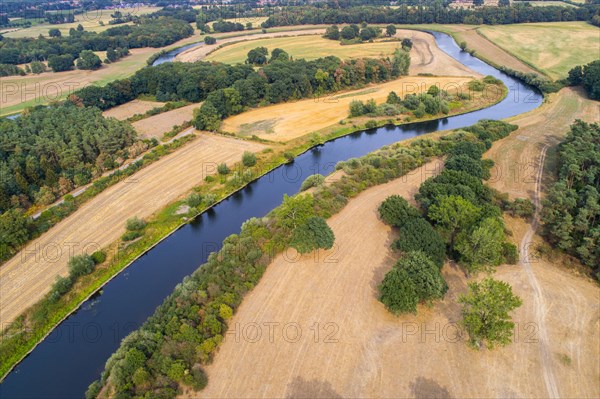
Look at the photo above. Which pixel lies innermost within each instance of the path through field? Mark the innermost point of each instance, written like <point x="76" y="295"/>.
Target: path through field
<point x="27" y="277"/>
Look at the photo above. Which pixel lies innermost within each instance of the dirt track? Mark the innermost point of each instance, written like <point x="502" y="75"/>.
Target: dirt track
<point x="26" y="277"/>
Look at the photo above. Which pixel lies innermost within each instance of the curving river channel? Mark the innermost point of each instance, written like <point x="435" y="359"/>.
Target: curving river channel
<point x="70" y="358"/>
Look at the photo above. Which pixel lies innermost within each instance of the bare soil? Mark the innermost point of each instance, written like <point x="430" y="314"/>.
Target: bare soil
<point x="27" y="277"/>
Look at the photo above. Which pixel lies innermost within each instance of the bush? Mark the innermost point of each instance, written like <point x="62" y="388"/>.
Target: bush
<point x="131" y="235"/>
<point x="80" y="265"/>
<point x="398" y="293"/>
<point x="371" y="124"/>
<point x="62" y="285"/>
<point x="210" y="40"/>
<point x="522" y="207"/>
<point x="194" y="200"/>
<point x="135" y="224"/>
<point x="510" y="253"/>
<point x="312" y="181"/>
<point x="396" y="211"/>
<point x="223" y="169"/>
<point x="288" y="155"/>
<point x="249" y="159"/>
<point x="476" y="85"/>
<point x="98" y="257"/>
<point x="313" y="234"/>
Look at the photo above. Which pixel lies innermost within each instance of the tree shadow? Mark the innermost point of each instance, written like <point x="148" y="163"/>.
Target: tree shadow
<point x="301" y="388"/>
<point x="426" y="388"/>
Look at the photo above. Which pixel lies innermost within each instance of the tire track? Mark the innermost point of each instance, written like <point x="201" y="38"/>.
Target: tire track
<point x="540" y="304"/>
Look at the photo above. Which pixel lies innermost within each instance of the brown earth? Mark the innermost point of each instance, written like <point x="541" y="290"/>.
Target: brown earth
<point x="27" y="277"/>
<point x="157" y="125"/>
<point x="134" y="107"/>
<point x="361" y="350"/>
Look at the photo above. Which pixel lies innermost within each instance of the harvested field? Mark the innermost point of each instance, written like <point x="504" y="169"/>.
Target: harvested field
<point x="157" y="125"/>
<point x="287" y="121"/>
<point x="127" y="110"/>
<point x="27" y="277"/>
<point x="554" y="48"/>
<point x="313" y="327"/>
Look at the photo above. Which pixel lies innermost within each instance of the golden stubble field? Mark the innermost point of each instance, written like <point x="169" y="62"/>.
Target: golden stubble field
<point x="313" y="326"/>
<point x="27" y="277"/>
<point x="157" y="125"/>
<point x="127" y="110"/>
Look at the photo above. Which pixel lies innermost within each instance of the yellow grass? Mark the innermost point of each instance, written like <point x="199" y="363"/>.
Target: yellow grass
<point x="307" y="47"/>
<point x="90" y="20"/>
<point x="284" y="122"/>
<point x="255" y="21"/>
<point x="554" y="48"/>
<point x="156" y="126"/>
<point x="132" y="108"/>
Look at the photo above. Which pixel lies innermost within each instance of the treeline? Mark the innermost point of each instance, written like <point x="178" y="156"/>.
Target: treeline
<point x="47" y="152"/>
<point x="571" y="213"/>
<point x="284" y="80"/>
<point x="587" y="76"/>
<point x="150" y="32"/>
<point x="172" y="81"/>
<point x="434" y="13"/>
<point x="171" y="347"/>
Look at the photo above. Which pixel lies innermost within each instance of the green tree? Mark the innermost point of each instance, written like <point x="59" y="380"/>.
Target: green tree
<point x="453" y="214"/>
<point x="111" y="55"/>
<point x="279" y="55"/>
<point x="398" y="292"/>
<point x="396" y="211"/>
<point x="59" y="63"/>
<point x="390" y="30"/>
<point x="332" y="32"/>
<point x="88" y="60"/>
<point x="80" y="265"/>
<point x="485" y="312"/>
<point x="210" y="40"/>
<point x="257" y="56"/>
<point x="207" y="118"/>
<point x="349" y="32"/>
<point x="425" y="275"/>
<point x="417" y="234"/>
<point x="313" y="234"/>
<point x="482" y="246"/>
<point x="54" y="32"/>
<point x="249" y="159"/>
<point x="294" y="211"/>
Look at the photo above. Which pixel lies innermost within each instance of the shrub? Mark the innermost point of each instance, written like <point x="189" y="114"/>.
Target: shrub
<point x="371" y="124"/>
<point x="510" y="253"/>
<point x="249" y="159"/>
<point x="98" y="257"/>
<point x="398" y="293"/>
<point x="395" y="211"/>
<point x="476" y="85"/>
<point x="135" y="223"/>
<point x="210" y="40"/>
<point x="80" y="265"/>
<point x="131" y="235"/>
<point x="223" y="169"/>
<point x="210" y="199"/>
<point x="426" y="277"/>
<point x="194" y="200"/>
<point x="522" y="207"/>
<point x="288" y="155"/>
<point x="312" y="181"/>
<point x="314" y="234"/>
<point x="62" y="285"/>
<point x="433" y="91"/>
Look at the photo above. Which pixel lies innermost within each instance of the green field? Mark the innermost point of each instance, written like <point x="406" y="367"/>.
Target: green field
<point x="307" y="47"/>
<point x="90" y="20"/>
<point x="553" y="48"/>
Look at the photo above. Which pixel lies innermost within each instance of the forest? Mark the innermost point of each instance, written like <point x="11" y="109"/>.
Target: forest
<point x="433" y="13"/>
<point x="46" y="153"/>
<point x="587" y="76"/>
<point x="283" y="80"/>
<point x="149" y="32"/>
<point x="171" y="347"/>
<point x="571" y="213"/>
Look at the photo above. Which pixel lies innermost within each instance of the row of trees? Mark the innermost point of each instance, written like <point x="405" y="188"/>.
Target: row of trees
<point x="429" y="13"/>
<point x="587" y="76"/>
<point x="150" y="32"/>
<point x="284" y="80"/>
<point x="571" y="213"/>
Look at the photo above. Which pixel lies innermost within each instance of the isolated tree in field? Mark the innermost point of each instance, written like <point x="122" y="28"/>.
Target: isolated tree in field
<point x="210" y="40"/>
<point x="398" y="293"/>
<point x="390" y="30"/>
<point x="425" y="275"/>
<point x="294" y="211"/>
<point x="54" y="32"/>
<point x="350" y="32"/>
<point x="88" y="60"/>
<point x="452" y="215"/>
<point x="481" y="247"/>
<point x="313" y="234"/>
<point x="279" y="55"/>
<point x="407" y="44"/>
<point x="332" y="32"/>
<point x="485" y="312"/>
<point x="396" y="211"/>
<point x="257" y="56"/>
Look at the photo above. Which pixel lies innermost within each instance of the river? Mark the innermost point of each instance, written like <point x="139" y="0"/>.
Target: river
<point x="70" y="358"/>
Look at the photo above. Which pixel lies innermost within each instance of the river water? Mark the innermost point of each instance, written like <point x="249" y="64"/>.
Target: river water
<point x="70" y="358"/>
